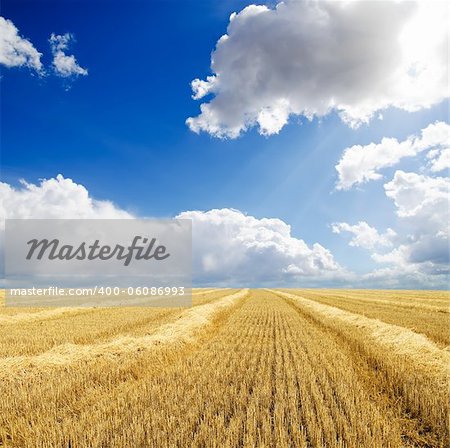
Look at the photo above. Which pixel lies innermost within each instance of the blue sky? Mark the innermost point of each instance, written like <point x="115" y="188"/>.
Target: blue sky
<point x="120" y="131"/>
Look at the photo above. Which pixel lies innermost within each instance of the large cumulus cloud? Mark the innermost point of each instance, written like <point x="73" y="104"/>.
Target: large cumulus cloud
<point x="229" y="247"/>
<point x="232" y="247"/>
<point x="311" y="57"/>
<point x="55" y="198"/>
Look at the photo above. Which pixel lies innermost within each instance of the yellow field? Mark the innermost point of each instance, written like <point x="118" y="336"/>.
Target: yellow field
<point x="258" y="368"/>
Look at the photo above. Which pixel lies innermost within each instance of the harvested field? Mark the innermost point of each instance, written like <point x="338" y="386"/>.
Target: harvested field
<point x="258" y="368"/>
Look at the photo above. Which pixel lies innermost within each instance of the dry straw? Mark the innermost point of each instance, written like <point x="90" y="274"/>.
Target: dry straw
<point x="181" y="330"/>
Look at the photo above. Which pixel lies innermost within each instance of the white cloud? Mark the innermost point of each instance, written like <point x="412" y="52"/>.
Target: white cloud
<point x="54" y="198"/>
<point x="360" y="164"/>
<point x="419" y="196"/>
<point x="440" y="160"/>
<point x="16" y="51"/>
<point x="64" y="65"/>
<point x="364" y="235"/>
<point x="231" y="247"/>
<point x="422" y="203"/>
<point x="417" y="253"/>
<point x="310" y="58"/>
<point x="422" y="247"/>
